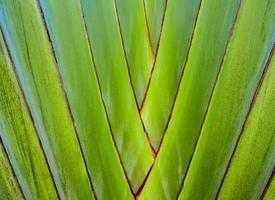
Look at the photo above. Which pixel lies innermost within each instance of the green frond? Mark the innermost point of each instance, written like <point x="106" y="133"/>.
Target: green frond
<point x="137" y="99"/>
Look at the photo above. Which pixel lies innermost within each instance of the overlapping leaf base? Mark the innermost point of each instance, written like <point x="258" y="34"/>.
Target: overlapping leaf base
<point x="143" y="99"/>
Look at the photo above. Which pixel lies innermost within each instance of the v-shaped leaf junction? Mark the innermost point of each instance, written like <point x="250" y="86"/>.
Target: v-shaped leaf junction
<point x="145" y="99"/>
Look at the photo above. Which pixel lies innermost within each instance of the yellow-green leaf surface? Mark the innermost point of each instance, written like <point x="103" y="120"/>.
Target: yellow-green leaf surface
<point x="175" y="40"/>
<point x="270" y="192"/>
<point x="254" y="159"/>
<point x="137" y="99"/>
<point x="135" y="37"/>
<point x="67" y="31"/>
<point x="118" y="96"/>
<point x="19" y="136"/>
<point x="166" y="177"/>
<point x="240" y="75"/>
<point x="155" y="12"/>
<point x="9" y="188"/>
<point x="28" y="43"/>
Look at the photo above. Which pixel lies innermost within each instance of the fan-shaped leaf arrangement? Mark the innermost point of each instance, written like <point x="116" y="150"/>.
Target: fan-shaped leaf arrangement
<point x="142" y="99"/>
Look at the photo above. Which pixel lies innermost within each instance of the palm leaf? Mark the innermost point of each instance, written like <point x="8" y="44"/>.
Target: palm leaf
<point x="117" y="92"/>
<point x="35" y="66"/>
<point x="25" y="152"/>
<point x="232" y="96"/>
<point x="254" y="159"/>
<point x="83" y="92"/>
<point x="144" y="99"/>
<point x="190" y="107"/>
<point x="168" y="68"/>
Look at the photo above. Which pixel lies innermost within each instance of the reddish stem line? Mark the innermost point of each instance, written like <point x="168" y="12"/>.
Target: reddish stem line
<point x="268" y="184"/>
<point x="156" y="56"/>
<point x="103" y="103"/>
<point x="140" y="190"/>
<point x="176" y="95"/>
<point x="147" y="28"/>
<point x="212" y="92"/>
<point x="30" y="115"/>
<point x="144" y="181"/>
<point x="66" y="97"/>
<point x="129" y="75"/>
<point x="247" y="115"/>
